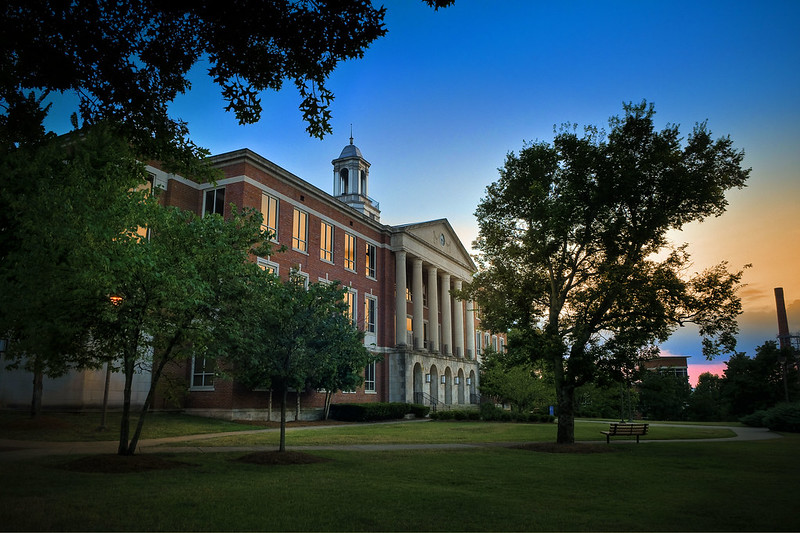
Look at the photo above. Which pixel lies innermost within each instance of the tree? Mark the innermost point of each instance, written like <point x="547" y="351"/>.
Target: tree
<point x="664" y="396"/>
<point x="61" y="198"/>
<point x="757" y="383"/>
<point x="284" y="335"/>
<point x="706" y="401"/>
<point x="170" y="289"/>
<point x="514" y="382"/>
<point x="128" y="60"/>
<point x="568" y="238"/>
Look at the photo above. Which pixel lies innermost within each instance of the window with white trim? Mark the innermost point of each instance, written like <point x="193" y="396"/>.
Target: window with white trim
<point x="350" y="300"/>
<point x="369" y="378"/>
<point x="267" y="266"/>
<point x="371" y="259"/>
<point x="326" y="242"/>
<point x="214" y="202"/>
<point x="269" y="210"/>
<point x="350" y="252"/>
<point x="300" y="230"/>
<point x="370" y="314"/>
<point x="202" y="373"/>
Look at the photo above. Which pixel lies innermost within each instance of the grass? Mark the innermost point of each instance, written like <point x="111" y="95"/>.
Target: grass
<point x="82" y="427"/>
<point x="443" y="432"/>
<point x="659" y="486"/>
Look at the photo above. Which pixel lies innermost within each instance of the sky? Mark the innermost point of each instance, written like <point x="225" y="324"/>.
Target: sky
<point x="437" y="103"/>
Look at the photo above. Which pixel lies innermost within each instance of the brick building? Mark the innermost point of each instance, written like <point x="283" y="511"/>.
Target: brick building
<point x="430" y="343"/>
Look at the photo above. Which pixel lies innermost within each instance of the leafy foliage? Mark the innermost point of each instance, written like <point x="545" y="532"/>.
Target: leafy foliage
<point x="60" y="200"/>
<point x="128" y="60"/>
<point x="664" y="396"/>
<point x="569" y="234"/>
<point x="520" y="385"/>
<point x="284" y="335"/>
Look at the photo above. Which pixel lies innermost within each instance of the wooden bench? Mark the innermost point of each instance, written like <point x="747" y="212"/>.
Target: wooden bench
<point x="625" y="430"/>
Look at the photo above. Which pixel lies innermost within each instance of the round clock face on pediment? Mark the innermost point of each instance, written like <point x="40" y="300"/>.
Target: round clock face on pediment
<point x="441" y="239"/>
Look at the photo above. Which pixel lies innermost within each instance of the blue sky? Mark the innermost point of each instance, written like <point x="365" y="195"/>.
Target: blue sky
<point x="437" y="104"/>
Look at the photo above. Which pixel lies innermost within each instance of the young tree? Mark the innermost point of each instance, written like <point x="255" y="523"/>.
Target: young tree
<point x="60" y="198"/>
<point x="169" y="290"/>
<point x="284" y="335"/>
<point x="128" y="60"/>
<point x="706" y="401"/>
<point x="568" y="238"/>
<point x="664" y="396"/>
<point x="515" y="382"/>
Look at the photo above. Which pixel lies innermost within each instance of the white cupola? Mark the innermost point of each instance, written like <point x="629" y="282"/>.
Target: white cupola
<point x="351" y="181"/>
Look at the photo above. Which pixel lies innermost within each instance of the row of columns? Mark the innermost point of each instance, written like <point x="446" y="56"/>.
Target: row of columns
<point x="452" y="316"/>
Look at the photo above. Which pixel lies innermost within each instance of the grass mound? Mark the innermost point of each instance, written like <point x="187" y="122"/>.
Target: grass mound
<point x="121" y="464"/>
<point x="552" y="447"/>
<point x="281" y="458"/>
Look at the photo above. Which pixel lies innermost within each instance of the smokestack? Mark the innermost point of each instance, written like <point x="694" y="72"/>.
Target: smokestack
<point x="783" y="322"/>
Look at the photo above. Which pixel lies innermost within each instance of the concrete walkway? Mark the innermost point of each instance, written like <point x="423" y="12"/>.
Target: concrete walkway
<point x="13" y="450"/>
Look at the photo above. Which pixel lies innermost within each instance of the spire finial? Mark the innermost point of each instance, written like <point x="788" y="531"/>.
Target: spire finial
<point x="351" y="134"/>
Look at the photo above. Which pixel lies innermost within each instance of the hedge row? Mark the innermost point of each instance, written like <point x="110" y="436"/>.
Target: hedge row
<point x="370" y="412"/>
<point x="490" y="413"/>
<point x="782" y="417"/>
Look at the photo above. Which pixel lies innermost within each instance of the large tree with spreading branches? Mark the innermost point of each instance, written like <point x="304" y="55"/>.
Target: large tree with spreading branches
<point x="575" y="256"/>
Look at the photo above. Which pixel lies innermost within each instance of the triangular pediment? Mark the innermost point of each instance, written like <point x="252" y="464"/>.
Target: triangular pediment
<point x="437" y="238"/>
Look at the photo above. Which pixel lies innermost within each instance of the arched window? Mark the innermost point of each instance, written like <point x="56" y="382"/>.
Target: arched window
<point x="344" y="176"/>
<point x="363" y="183"/>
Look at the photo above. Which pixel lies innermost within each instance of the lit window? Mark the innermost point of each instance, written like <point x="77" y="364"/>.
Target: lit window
<point x="202" y="373"/>
<point x="269" y="210"/>
<point x="300" y="278"/>
<point x="267" y="266"/>
<point x="300" y="231"/>
<point x="371" y="258"/>
<point x="370" y="311"/>
<point x="369" y="378"/>
<point x="326" y="242"/>
<point x="350" y="300"/>
<point x="214" y="202"/>
<point x="350" y="252"/>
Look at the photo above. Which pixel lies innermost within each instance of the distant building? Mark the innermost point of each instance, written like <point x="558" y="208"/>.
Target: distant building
<point x="398" y="281"/>
<point x="676" y="365"/>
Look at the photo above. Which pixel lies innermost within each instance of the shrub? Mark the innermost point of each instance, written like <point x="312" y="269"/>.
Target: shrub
<point x="489" y="412"/>
<point x="368" y="412"/>
<point x="754" y="419"/>
<point x="419" y="410"/>
<point x="783" y="417"/>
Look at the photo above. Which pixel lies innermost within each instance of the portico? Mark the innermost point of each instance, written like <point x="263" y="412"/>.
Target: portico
<point x="435" y="357"/>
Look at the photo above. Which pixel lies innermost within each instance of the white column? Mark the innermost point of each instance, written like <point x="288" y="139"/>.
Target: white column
<point x="458" y="322"/>
<point x="470" y="330"/>
<point x="433" y="310"/>
<point x="400" y="297"/>
<point x="447" y="328"/>
<point x="416" y="297"/>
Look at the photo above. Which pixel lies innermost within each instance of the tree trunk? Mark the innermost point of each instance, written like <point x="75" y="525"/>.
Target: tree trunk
<point x="124" y="427"/>
<point x="156" y="376"/>
<point x="38" y="387"/>
<point x="327" y="406"/>
<point x="284" y="395"/>
<point x="105" y="398"/>
<point x="566" y="414"/>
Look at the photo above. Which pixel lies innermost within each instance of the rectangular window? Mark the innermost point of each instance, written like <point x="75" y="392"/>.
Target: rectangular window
<point x="369" y="378"/>
<point x="300" y="231"/>
<point x="214" y="202"/>
<point x="478" y="336"/>
<point x="350" y="300"/>
<point x="202" y="373"/>
<point x="370" y="260"/>
<point x="350" y="252"/>
<point x="425" y="295"/>
<point x="300" y="278"/>
<point x="269" y="210"/>
<point x="267" y="266"/>
<point x="326" y="242"/>
<point x="370" y="312"/>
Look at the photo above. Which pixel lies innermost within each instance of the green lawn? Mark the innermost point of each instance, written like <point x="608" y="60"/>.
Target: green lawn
<point x="654" y="487"/>
<point x="81" y="427"/>
<point x="443" y="432"/>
